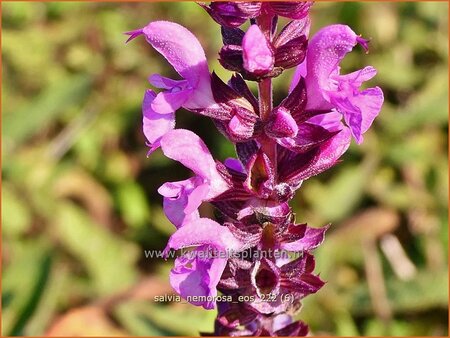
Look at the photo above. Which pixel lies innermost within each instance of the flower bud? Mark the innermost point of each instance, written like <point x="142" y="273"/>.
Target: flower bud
<point x="281" y="124"/>
<point x="258" y="56"/>
<point x="232" y="14"/>
<point x="290" y="9"/>
<point x="292" y="53"/>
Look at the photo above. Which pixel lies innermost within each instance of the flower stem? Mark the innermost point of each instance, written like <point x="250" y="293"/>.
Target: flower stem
<point x="268" y="146"/>
<point x="265" y="98"/>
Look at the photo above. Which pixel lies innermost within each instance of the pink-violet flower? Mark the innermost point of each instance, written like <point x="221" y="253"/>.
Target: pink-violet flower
<point x="184" y="52"/>
<point x="182" y="198"/>
<point x="328" y="89"/>
<point x="197" y="273"/>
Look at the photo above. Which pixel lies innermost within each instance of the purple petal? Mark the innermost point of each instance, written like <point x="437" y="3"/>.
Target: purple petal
<point x="187" y="148"/>
<point x="300" y="72"/>
<point x="245" y="151"/>
<point x="312" y="238"/>
<point x="215" y="273"/>
<point x="163" y="82"/>
<point x="196" y="198"/>
<point x="133" y="34"/>
<point x="293" y="30"/>
<point x="360" y="110"/>
<point x="168" y="102"/>
<point x="232" y="36"/>
<point x="232" y="14"/>
<point x="234" y="164"/>
<point x="291" y="9"/>
<point x="257" y="54"/>
<point x="309" y="136"/>
<point x="264" y="210"/>
<point x="240" y="128"/>
<point x="203" y="231"/>
<point x="261" y="177"/>
<point x="295" y="329"/>
<point x="196" y="276"/>
<point x="325" y="52"/>
<point x="330" y="152"/>
<point x="293" y="168"/>
<point x="265" y="277"/>
<point x="358" y="77"/>
<point x="180" y="47"/>
<point x="297" y="275"/>
<point x="155" y="125"/>
<point x="330" y="121"/>
<point x="281" y="321"/>
<point x="370" y="102"/>
<point x="176" y="200"/>
<point x="184" y="52"/>
<point x="292" y="53"/>
<point x="328" y="89"/>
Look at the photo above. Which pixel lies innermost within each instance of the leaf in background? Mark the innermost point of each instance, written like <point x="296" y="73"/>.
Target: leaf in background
<point x="53" y="295"/>
<point x="16" y="216"/>
<point x="344" y="241"/>
<point x="334" y="200"/>
<point x="403" y="296"/>
<point x="345" y="325"/>
<point x="418" y="146"/>
<point x="80" y="185"/>
<point x="428" y="106"/>
<point x="190" y="320"/>
<point x="18" y="126"/>
<point x="108" y="259"/>
<point x="132" y="316"/>
<point x="24" y="280"/>
<point x="132" y="204"/>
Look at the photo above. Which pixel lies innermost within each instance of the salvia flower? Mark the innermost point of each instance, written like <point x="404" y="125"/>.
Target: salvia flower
<point x="184" y="52"/>
<point x="182" y="199"/>
<point x="197" y="273"/>
<point x="328" y="89"/>
<point x="255" y="253"/>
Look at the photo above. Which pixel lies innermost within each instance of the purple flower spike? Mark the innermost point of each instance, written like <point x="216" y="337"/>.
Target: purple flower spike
<point x="198" y="272"/>
<point x="181" y="199"/>
<point x="328" y="89"/>
<point x="257" y="53"/>
<point x="256" y="256"/>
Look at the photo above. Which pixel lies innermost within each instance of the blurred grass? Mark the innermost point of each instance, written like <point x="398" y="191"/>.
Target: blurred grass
<point x="79" y="201"/>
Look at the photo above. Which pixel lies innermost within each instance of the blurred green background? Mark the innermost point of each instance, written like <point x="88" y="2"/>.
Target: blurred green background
<point x="79" y="200"/>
